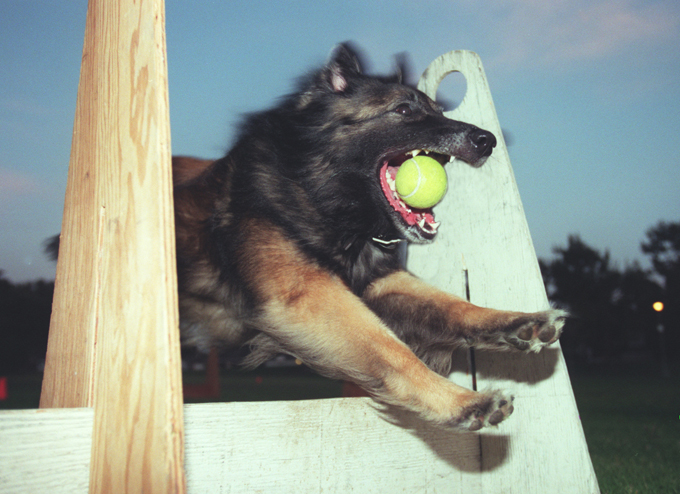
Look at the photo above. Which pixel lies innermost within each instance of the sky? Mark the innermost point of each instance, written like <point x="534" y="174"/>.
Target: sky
<point x="588" y="92"/>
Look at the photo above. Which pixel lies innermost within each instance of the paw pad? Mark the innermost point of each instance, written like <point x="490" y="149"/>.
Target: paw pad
<point x="490" y="409"/>
<point x="534" y="331"/>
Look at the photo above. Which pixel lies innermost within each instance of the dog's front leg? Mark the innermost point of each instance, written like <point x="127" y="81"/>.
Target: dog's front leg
<point x="430" y="320"/>
<point x="330" y="329"/>
<point x="312" y="314"/>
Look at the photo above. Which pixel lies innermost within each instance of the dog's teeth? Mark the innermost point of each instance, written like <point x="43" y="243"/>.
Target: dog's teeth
<point x="390" y="181"/>
<point x="430" y="227"/>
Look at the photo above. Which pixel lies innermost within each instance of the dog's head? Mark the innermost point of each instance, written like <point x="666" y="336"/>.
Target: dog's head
<point x="369" y="126"/>
<point x="377" y="123"/>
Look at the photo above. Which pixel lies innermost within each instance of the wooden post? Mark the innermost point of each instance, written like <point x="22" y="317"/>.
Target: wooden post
<point x="114" y="339"/>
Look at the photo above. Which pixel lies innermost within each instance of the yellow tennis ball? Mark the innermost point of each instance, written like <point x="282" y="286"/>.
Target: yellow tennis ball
<point x="421" y="182"/>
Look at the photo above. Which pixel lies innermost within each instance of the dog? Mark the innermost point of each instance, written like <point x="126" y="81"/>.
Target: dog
<point x="288" y="244"/>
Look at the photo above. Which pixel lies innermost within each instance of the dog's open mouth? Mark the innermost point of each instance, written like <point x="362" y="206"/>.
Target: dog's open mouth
<point x="422" y="219"/>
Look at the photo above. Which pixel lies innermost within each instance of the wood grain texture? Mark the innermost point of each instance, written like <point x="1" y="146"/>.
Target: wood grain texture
<point x="114" y="339"/>
<point x="331" y="446"/>
<point x="45" y="451"/>
<point x="484" y="229"/>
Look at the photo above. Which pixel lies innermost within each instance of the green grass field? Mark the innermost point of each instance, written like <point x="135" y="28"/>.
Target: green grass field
<point x="631" y="417"/>
<point x="632" y="424"/>
<point x="294" y="383"/>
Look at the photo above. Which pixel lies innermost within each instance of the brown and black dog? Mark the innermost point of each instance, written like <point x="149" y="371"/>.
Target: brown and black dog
<point x="288" y="245"/>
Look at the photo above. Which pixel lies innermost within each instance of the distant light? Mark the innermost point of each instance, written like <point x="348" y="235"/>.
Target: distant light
<point x="657" y="306"/>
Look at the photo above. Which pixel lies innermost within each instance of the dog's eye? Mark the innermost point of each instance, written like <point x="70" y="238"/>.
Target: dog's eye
<point x="404" y="109"/>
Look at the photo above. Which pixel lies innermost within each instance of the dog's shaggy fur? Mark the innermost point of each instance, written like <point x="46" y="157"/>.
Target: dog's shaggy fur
<point x="288" y="244"/>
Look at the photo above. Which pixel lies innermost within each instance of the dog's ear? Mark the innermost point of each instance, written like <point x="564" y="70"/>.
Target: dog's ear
<point x="403" y="73"/>
<point x="343" y="65"/>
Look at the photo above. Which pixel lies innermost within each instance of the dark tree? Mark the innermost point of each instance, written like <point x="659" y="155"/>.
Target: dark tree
<point x="582" y="280"/>
<point x="24" y="324"/>
<point x="612" y="309"/>
<point x="635" y="297"/>
<point x="663" y="248"/>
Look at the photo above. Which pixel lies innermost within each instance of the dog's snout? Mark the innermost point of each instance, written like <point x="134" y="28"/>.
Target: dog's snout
<point x="483" y="142"/>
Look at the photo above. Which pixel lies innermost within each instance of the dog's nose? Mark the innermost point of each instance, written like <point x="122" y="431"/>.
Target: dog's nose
<point x="483" y="141"/>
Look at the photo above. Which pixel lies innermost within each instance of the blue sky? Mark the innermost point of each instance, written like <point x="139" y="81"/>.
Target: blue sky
<point x="588" y="90"/>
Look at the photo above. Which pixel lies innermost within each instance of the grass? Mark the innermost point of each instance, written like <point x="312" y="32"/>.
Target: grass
<point x="632" y="425"/>
<point x="295" y="383"/>
<point x="22" y="392"/>
<point x="631" y="417"/>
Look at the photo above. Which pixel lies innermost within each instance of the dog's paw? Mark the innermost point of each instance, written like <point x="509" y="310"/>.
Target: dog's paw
<point x="532" y="332"/>
<point x="489" y="408"/>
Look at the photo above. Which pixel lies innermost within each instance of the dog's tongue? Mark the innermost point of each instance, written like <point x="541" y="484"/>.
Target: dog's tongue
<point x="422" y="218"/>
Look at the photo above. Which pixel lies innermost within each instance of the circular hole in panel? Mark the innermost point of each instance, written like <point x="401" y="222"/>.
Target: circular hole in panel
<point x="451" y="91"/>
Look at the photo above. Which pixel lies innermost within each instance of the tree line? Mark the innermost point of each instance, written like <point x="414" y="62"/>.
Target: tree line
<point x="613" y="309"/>
<point x="612" y="313"/>
<point x="24" y="323"/>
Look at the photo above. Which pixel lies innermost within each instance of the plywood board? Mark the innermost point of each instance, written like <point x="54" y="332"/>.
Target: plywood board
<point x="45" y="451"/>
<point x="331" y="446"/>
<point x="484" y="230"/>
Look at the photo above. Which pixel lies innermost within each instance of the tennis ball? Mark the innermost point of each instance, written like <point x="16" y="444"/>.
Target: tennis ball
<point x="421" y="182"/>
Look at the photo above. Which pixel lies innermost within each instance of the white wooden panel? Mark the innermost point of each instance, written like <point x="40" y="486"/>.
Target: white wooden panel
<point x="332" y="446"/>
<point x="45" y="451"/>
<point x="482" y="217"/>
<point x="484" y="229"/>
